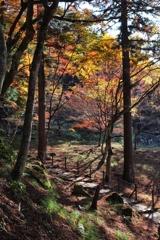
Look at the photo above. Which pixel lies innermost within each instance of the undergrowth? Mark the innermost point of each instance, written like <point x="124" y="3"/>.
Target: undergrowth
<point x="83" y="225"/>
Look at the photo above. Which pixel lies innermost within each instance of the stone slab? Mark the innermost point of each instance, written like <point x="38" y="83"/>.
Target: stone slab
<point x="68" y="176"/>
<point x="104" y="191"/>
<point x="57" y="170"/>
<point x="90" y="185"/>
<point x="155" y="216"/>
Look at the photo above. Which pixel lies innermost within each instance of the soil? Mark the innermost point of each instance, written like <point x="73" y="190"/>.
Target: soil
<point x="23" y="218"/>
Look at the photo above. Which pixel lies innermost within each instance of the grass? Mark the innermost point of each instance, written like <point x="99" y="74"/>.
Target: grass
<point x="83" y="224"/>
<point x="96" y="217"/>
<point x="120" y="235"/>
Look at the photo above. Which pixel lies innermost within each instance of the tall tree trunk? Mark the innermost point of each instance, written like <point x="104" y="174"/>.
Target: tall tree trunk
<point x="3" y="57"/>
<point x="41" y="113"/>
<point x="23" y="152"/>
<point x="128" y="172"/>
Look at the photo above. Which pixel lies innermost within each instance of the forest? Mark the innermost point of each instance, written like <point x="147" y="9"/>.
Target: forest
<point x="79" y="119"/>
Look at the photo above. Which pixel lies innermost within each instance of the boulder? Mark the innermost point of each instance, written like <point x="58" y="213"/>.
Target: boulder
<point x="79" y="190"/>
<point x="127" y="211"/>
<point x="38" y="172"/>
<point x="114" y="198"/>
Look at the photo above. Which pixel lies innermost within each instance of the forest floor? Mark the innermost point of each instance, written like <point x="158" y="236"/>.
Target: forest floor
<point x="29" y="211"/>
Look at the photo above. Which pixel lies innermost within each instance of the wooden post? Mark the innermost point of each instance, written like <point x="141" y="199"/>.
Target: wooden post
<point x="136" y="196"/>
<point x="153" y="197"/>
<point x="52" y="159"/>
<point x="52" y="155"/>
<point x="103" y="178"/>
<point x="159" y="232"/>
<point x="118" y="184"/>
<point x="65" y="164"/>
<point x="90" y="171"/>
<point x="77" y="167"/>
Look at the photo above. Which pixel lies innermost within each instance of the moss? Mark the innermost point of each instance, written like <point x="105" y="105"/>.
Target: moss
<point x="37" y="171"/>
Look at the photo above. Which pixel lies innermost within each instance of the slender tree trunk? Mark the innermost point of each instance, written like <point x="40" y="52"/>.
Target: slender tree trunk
<point x="3" y="57"/>
<point x="41" y="114"/>
<point x="100" y="137"/>
<point x="27" y="128"/>
<point x="136" y="132"/>
<point x="109" y="157"/>
<point x="106" y="154"/>
<point x="23" y="152"/>
<point x="128" y="172"/>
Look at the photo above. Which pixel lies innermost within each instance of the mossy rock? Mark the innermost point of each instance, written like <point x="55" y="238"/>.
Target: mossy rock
<point x="37" y="171"/>
<point x="114" y="198"/>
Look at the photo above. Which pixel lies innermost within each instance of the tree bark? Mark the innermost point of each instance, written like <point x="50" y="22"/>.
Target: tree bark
<point x="3" y="58"/>
<point x="25" y="143"/>
<point x="128" y="172"/>
<point x="41" y="114"/>
<point x="108" y="160"/>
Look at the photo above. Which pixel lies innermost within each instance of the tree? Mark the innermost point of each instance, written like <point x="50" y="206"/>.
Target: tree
<point x="146" y="121"/>
<point x="45" y="17"/>
<point x="23" y="152"/>
<point x="64" y="60"/>
<point x="3" y="50"/>
<point x="132" y="18"/>
<point x="128" y="172"/>
<point x="16" y="45"/>
<point x="42" y="145"/>
<point x="41" y="113"/>
<point x="22" y="32"/>
<point x="102" y="94"/>
<point x="3" y="54"/>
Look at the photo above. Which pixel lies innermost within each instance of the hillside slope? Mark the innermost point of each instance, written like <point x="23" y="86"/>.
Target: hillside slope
<point x="45" y="209"/>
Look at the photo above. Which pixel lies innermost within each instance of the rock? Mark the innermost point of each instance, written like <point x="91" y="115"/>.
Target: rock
<point x="68" y="176"/>
<point x="57" y="170"/>
<point x="104" y="191"/>
<point x="127" y="211"/>
<point x="56" y="166"/>
<point x="80" y="179"/>
<point x="114" y="198"/>
<point x="79" y="190"/>
<point x="90" y="186"/>
<point x="37" y="171"/>
<point x="80" y="208"/>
